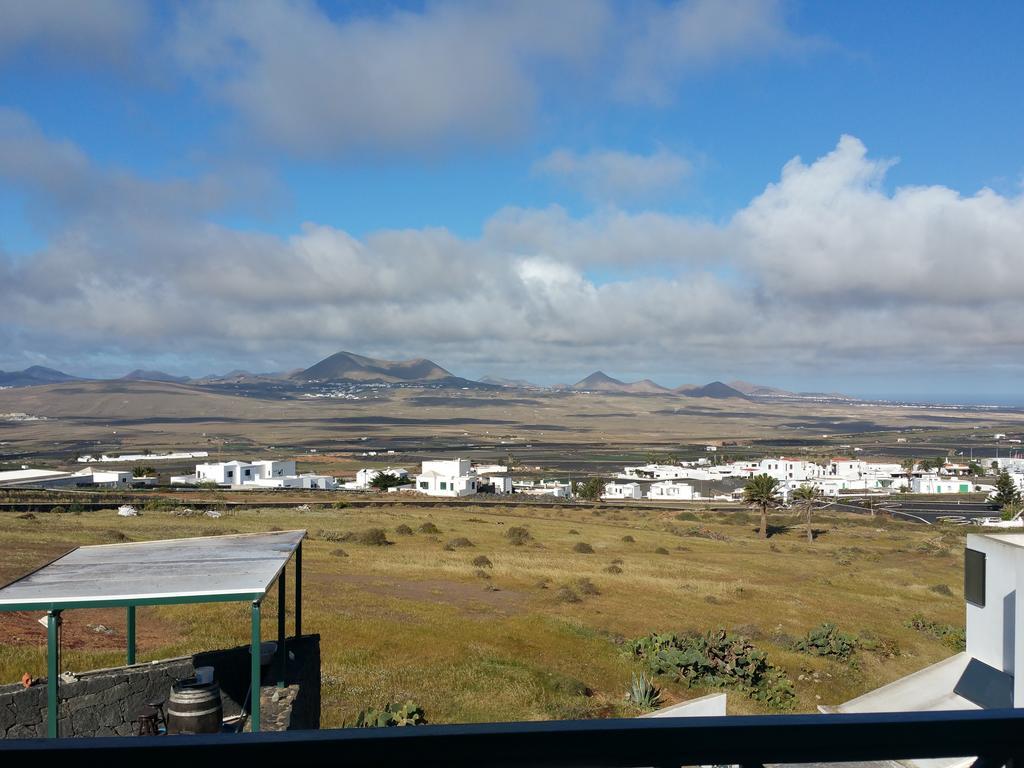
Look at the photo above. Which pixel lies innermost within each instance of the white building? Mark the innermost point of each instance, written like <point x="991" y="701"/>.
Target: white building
<point x="449" y="477"/>
<point x="255" y="474"/>
<point x="364" y="477"/>
<point x="502" y="483"/>
<point x="556" y="488"/>
<point x="984" y="675"/>
<point x="306" y="481"/>
<point x="669" y="491"/>
<point x="936" y="484"/>
<point x="655" y="472"/>
<point x="618" y="491"/>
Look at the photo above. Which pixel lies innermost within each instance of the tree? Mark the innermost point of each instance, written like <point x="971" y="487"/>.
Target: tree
<point x="909" y="465"/>
<point x="762" y="491"/>
<point x="384" y="480"/>
<point x="143" y="471"/>
<point x="1007" y="493"/>
<point x="975" y="469"/>
<point x="806" y="496"/>
<point x="591" y="489"/>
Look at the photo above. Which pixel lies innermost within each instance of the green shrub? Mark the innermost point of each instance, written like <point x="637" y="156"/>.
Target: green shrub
<point x="660" y="551"/>
<point x="391" y="715"/>
<point x="613" y="569"/>
<point x="827" y="640"/>
<point x="718" y="659"/>
<point x="339" y="552"/>
<point x="643" y="693"/>
<point x="587" y="587"/>
<point x="458" y="543"/>
<point x="403" y="530"/>
<point x="429" y="528"/>
<point x="581" y="547"/>
<point x="482" y="561"/>
<point x="57" y="510"/>
<point x="953" y="636"/>
<point x="627" y="539"/>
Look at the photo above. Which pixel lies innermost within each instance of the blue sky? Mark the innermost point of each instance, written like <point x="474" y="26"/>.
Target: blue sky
<point x="532" y="190"/>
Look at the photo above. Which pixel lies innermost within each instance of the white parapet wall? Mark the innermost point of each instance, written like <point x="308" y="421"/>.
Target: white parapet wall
<point x="712" y="705"/>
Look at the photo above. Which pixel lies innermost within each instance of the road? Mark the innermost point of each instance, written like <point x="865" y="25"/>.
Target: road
<point x="923" y="511"/>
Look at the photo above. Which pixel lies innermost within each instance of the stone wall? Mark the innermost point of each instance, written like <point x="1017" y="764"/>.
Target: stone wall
<point x="107" y="702"/>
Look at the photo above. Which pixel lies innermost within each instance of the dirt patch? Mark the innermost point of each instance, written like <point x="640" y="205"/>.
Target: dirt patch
<point x="469" y="597"/>
<point x="85" y="629"/>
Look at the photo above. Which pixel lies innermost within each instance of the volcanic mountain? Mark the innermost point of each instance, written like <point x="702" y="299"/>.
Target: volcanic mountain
<point x="347" y="366"/>
<point x="599" y="381"/>
<point x="715" y="389"/>
<point x="140" y="375"/>
<point x="33" y="375"/>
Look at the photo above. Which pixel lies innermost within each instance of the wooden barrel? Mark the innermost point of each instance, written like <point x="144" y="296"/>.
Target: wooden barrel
<point x="194" y="708"/>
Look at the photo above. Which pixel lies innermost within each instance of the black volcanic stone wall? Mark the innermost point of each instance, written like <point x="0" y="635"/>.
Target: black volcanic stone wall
<point x="107" y="702"/>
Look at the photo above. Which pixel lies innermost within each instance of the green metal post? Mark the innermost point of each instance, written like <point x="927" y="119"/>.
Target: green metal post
<point x="282" y="651"/>
<point x="130" y="634"/>
<point x="254" y="698"/>
<point x="298" y="590"/>
<point x="52" y="672"/>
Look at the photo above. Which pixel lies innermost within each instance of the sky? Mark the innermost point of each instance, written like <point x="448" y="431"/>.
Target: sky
<point x="818" y="196"/>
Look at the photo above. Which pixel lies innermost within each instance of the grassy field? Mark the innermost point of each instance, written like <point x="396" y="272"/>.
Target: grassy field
<point x="416" y="618"/>
<point x="582" y="432"/>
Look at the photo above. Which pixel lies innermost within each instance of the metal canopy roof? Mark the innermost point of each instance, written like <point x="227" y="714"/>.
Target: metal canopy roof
<point x="196" y="570"/>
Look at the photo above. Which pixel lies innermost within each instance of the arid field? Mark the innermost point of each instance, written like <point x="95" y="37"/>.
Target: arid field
<point x="539" y="632"/>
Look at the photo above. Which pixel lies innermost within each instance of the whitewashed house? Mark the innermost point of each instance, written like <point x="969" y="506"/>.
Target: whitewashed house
<point x="306" y="481"/>
<point x="655" y="472"/>
<point x="666" y="490"/>
<point x="936" y="484"/>
<point x="266" y="473"/>
<point x="619" y="491"/>
<point x="558" y="489"/>
<point x="364" y="477"/>
<point x="449" y="477"/>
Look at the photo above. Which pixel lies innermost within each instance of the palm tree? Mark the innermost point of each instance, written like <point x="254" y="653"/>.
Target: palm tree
<point x="762" y="491"/>
<point x="909" y="465"/>
<point x="806" y="496"/>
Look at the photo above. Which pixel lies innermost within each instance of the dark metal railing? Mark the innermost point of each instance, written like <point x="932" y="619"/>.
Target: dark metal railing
<point x="995" y="737"/>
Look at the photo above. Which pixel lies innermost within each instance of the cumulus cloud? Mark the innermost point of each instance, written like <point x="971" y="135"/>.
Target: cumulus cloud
<point x="825" y="268"/>
<point x="672" y="41"/>
<point x="400" y="80"/>
<point x="318" y="84"/>
<point x="614" y="175"/>
<point x="99" y="31"/>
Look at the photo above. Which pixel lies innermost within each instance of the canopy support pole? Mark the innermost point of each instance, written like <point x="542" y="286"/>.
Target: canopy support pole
<point x="282" y="651"/>
<point x="52" y="672"/>
<point x="298" y="590"/>
<point x="130" y="634"/>
<point x="254" y="649"/>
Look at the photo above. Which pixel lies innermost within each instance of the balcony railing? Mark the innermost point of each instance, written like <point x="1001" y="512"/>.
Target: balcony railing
<point x="995" y="737"/>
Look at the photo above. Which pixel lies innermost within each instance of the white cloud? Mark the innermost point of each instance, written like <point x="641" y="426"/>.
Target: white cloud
<point x="452" y="73"/>
<point x="825" y="269"/>
<point x="615" y="175"/>
<point x="401" y="80"/>
<point x="671" y="41"/>
<point x="98" y="31"/>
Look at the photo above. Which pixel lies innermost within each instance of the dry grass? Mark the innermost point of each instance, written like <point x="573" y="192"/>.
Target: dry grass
<point x="414" y="620"/>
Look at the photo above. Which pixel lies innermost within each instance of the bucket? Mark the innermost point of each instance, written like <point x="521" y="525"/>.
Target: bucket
<point x="194" y="707"/>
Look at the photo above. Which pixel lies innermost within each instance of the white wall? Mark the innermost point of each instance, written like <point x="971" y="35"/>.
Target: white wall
<point x="991" y="631"/>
